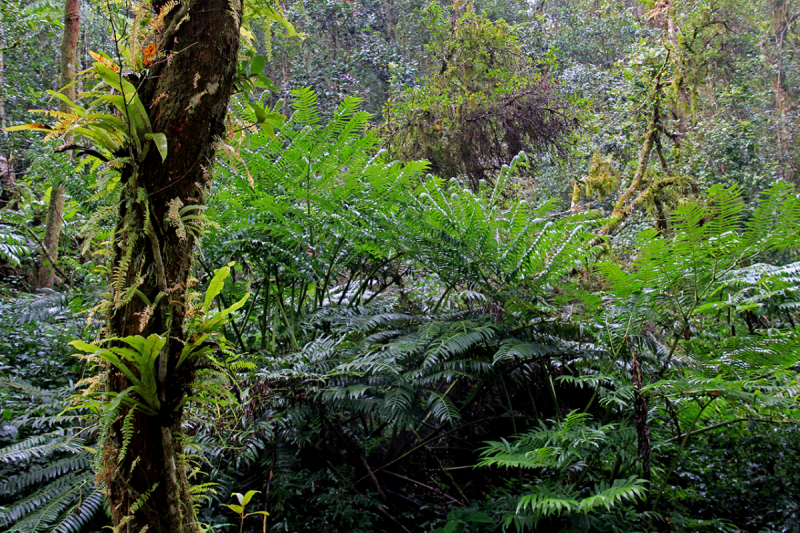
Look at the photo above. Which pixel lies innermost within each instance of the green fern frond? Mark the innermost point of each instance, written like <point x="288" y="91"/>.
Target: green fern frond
<point x="47" y="304"/>
<point x="37" y="446"/>
<point x="50" y="470"/>
<point x="76" y="518"/>
<point x="45" y="505"/>
<point x="13" y="247"/>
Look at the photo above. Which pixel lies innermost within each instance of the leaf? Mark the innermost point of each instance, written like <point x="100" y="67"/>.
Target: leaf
<point x="276" y="119"/>
<point x="64" y="98"/>
<point x="249" y="496"/>
<point x="100" y="137"/>
<point x="84" y="346"/>
<point x="219" y="318"/>
<point x="160" y="141"/>
<point x="36" y="126"/>
<point x="133" y="105"/>
<point x="215" y="287"/>
<point x="191" y="349"/>
<point x="278" y="17"/>
<point x="266" y="83"/>
<point x="257" y="65"/>
<point x="233" y="507"/>
<point x="261" y="115"/>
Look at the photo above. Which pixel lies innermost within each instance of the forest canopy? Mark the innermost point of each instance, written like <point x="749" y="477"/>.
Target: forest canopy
<point x="399" y="266"/>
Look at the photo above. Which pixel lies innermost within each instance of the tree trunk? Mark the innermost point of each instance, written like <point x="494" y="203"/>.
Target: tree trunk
<point x="640" y="415"/>
<point x="186" y="94"/>
<point x="784" y="102"/>
<point x="3" y="93"/>
<point x="55" y="210"/>
<point x="622" y="208"/>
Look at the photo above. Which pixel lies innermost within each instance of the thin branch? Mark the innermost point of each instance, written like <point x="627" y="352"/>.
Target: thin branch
<point x="81" y="151"/>
<point x="723" y="424"/>
<point x="42" y="246"/>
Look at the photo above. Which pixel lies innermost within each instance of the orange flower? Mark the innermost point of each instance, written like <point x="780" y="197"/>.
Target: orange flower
<point x="149" y="53"/>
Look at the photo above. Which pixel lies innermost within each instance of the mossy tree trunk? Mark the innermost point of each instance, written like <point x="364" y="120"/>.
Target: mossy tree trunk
<point x="3" y="94"/>
<point x="55" y="209"/>
<point x="786" y="126"/>
<point x="186" y="94"/>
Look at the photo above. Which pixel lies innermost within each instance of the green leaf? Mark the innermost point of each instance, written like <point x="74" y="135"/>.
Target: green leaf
<point x="266" y="83"/>
<point x="257" y="65"/>
<point x="278" y="17"/>
<point x="269" y="130"/>
<point x="249" y="496"/>
<point x="261" y="115"/>
<point x="276" y="119"/>
<point x="84" y="346"/>
<point x="191" y="349"/>
<point x="63" y="97"/>
<point x="133" y="105"/>
<point x="215" y="287"/>
<point x="238" y="509"/>
<point x="160" y="141"/>
<point x="218" y="319"/>
<point x="100" y="137"/>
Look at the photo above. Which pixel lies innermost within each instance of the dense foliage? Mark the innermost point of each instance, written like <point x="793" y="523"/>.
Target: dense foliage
<point x="549" y="282"/>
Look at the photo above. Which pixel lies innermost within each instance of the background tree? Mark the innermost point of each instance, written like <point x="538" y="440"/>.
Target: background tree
<point x="483" y="102"/>
<point x="55" y="210"/>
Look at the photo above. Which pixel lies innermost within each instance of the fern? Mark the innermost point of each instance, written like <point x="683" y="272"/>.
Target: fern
<point x="546" y="500"/>
<point x="13" y="246"/>
<point x="50" y="470"/>
<point x="76" y="518"/>
<point x="48" y="477"/>
<point x="48" y="304"/>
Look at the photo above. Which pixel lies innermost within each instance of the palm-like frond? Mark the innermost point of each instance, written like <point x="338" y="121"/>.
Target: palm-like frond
<point x="13" y="246"/>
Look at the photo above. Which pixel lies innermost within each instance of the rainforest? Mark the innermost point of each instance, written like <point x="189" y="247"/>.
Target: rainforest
<point x="399" y="266"/>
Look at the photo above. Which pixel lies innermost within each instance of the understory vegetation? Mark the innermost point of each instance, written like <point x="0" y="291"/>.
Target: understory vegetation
<point x="530" y="267"/>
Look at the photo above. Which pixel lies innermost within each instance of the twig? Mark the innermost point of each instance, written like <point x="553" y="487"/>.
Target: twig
<point x="393" y="519"/>
<point x="726" y="423"/>
<point x="41" y="245"/>
<point x="81" y="150"/>
<point x="432" y="489"/>
<point x="372" y="476"/>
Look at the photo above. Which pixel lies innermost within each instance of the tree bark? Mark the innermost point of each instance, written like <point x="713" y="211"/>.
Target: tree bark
<point x="3" y="93"/>
<point x="622" y="207"/>
<point x="55" y="210"/>
<point x="785" y="104"/>
<point x="186" y="93"/>
<point x="640" y="414"/>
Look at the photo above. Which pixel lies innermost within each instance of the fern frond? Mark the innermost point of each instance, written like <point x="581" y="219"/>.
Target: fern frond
<point x="45" y="472"/>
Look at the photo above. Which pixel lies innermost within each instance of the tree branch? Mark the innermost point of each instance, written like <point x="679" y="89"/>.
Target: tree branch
<point x="42" y="246"/>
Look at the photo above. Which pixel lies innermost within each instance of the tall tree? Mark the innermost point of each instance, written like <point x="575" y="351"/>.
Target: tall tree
<point x="185" y="93"/>
<point x="2" y="75"/>
<point x="484" y="101"/>
<point x="782" y="23"/>
<point x="55" y="210"/>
